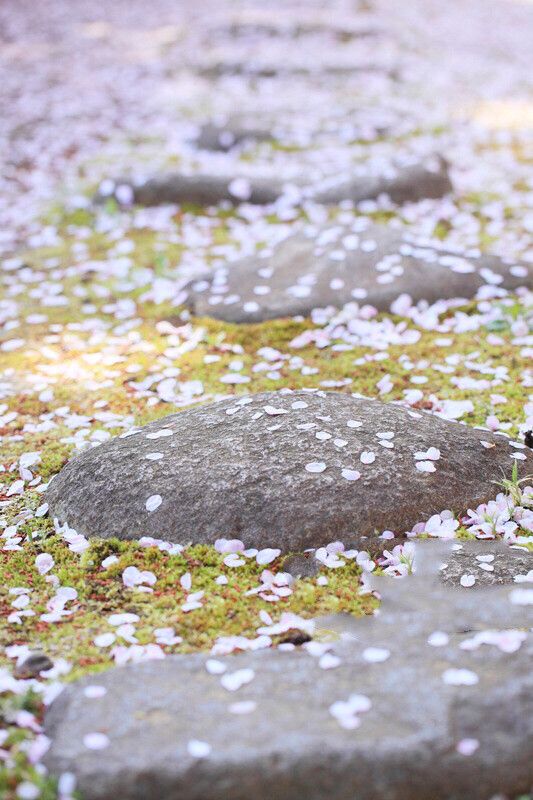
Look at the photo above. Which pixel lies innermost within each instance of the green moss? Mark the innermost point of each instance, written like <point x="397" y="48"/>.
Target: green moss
<point x="226" y="609"/>
<point x="18" y="767"/>
<point x="66" y="359"/>
<point x="70" y="359"/>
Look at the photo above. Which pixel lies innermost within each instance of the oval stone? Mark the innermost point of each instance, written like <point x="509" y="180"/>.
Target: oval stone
<point x="334" y="265"/>
<point x="243" y="474"/>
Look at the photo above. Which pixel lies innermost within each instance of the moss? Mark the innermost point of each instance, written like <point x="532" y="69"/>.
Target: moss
<point x="18" y="767"/>
<point x="226" y="609"/>
<point x="70" y="360"/>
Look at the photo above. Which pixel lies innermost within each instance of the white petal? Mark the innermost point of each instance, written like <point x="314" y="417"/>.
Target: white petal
<point x="374" y="655"/>
<point x="95" y="741"/>
<point x="153" y="502"/>
<point x="425" y="466"/>
<point x="315" y="466"/>
<point x="198" y="749"/>
<point x="242" y="707"/>
<point x="459" y="677"/>
<point x="351" y="474"/>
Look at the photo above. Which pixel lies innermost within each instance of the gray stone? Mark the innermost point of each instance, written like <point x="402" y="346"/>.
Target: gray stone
<point x="242" y="468"/>
<point x="295" y="28"/>
<point x="300" y="566"/>
<point x="474" y="558"/>
<point x="225" y="137"/>
<point x="262" y="69"/>
<point x="33" y="665"/>
<point x="336" y="265"/>
<point x="406" y="185"/>
<point x="490" y="563"/>
<point x="203" y="190"/>
<point x="423" y="737"/>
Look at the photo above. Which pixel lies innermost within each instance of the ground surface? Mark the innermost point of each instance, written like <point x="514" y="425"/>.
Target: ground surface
<point x="92" y="334"/>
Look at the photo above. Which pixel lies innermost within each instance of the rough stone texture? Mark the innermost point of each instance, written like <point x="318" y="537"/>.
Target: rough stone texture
<point x="331" y="267"/>
<point x="407" y="185"/>
<point x="225" y="137"/>
<point x="300" y="566"/>
<point x="508" y="562"/>
<point x="203" y="190"/>
<point x="291" y="746"/>
<point x="237" y="469"/>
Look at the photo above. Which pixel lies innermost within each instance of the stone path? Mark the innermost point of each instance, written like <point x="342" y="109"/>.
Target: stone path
<point x="282" y="469"/>
<point x="490" y="564"/>
<point x="432" y="698"/>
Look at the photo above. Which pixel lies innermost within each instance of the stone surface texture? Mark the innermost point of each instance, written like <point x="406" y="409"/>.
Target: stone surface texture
<point x="202" y="190"/>
<point x="401" y="184"/>
<point x="299" y="565"/>
<point x="261" y="68"/>
<point x="404" y="185"/>
<point x="279" y="469"/>
<point x="505" y="565"/>
<point x="409" y="745"/>
<point x="225" y="137"/>
<point x="336" y="265"/>
<point x="490" y="563"/>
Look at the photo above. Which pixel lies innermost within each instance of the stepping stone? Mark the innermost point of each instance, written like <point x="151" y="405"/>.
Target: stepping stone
<point x="413" y="707"/>
<point x="332" y="266"/>
<point x="428" y="601"/>
<point x="294" y="28"/>
<point x="490" y="563"/>
<point x="404" y="185"/>
<point x="203" y="190"/>
<point x="408" y="184"/>
<point x="284" y="469"/>
<point x="225" y="137"/>
<point x="260" y="69"/>
<point x="301" y="566"/>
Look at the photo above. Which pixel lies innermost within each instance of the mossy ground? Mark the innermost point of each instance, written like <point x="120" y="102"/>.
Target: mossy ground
<point x="58" y="353"/>
<point x="226" y="610"/>
<point x="93" y="373"/>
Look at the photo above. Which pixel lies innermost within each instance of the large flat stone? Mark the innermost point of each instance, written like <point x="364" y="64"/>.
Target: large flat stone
<point x="401" y="184"/>
<point x="265" y="23"/>
<point x="490" y="563"/>
<point x="448" y="720"/>
<point x="280" y="469"/>
<point x="202" y="190"/>
<point x="336" y="265"/>
<point x="259" y="68"/>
